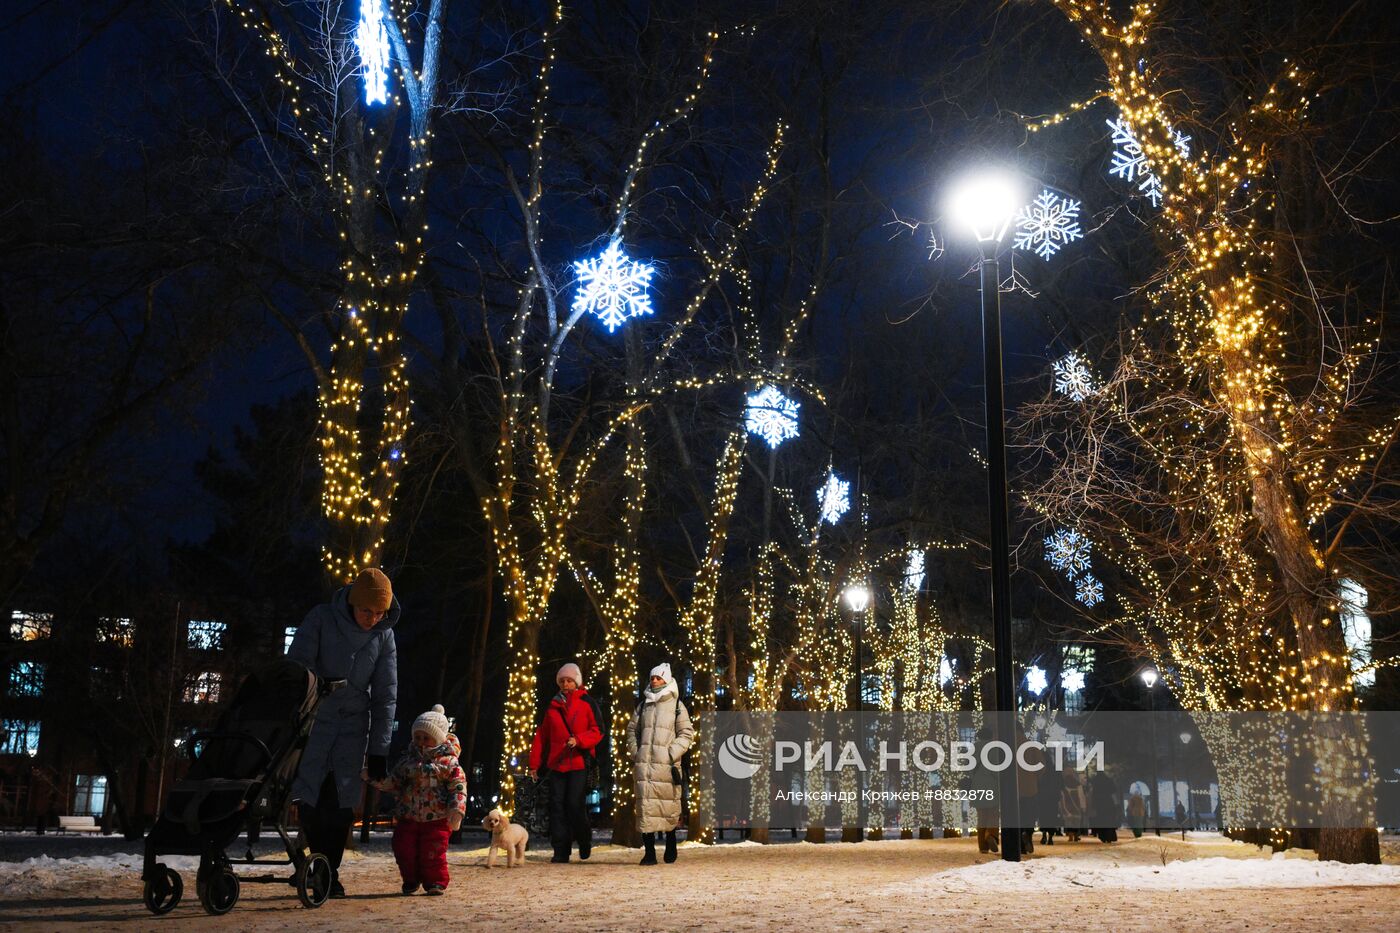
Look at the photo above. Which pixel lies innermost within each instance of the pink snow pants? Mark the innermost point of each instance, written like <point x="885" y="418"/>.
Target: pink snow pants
<point x="421" y="851"/>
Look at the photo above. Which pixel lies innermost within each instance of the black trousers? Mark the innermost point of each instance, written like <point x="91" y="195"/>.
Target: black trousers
<point x="568" y="818"/>
<point x="327" y="825"/>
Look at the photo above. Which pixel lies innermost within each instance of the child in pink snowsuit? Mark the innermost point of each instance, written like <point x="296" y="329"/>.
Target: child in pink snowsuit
<point x="431" y="789"/>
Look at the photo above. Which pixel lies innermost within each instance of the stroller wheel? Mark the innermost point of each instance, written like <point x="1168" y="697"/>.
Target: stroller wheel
<point x="163" y="892"/>
<point x="314" y="881"/>
<point x="218" y="891"/>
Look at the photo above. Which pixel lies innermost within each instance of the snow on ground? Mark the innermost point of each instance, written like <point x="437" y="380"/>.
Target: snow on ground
<point x="1156" y="883"/>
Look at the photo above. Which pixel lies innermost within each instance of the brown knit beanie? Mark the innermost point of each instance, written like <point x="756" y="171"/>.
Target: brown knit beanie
<point x="371" y="590"/>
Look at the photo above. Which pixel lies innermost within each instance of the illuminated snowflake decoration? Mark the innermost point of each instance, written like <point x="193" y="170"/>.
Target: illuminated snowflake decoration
<point x="1035" y="680"/>
<point x="914" y="572"/>
<point x="1068" y="551"/>
<point x="613" y="287"/>
<point x="1072" y="680"/>
<point x="834" y="498"/>
<point x="1182" y="142"/>
<point x="1073" y="378"/>
<point x="1129" y="163"/>
<point x="771" y="415"/>
<point x="1088" y="590"/>
<point x="372" y="44"/>
<point x="1047" y="224"/>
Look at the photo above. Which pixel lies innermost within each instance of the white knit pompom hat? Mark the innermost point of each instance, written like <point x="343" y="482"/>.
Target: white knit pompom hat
<point x="662" y="670"/>
<point x="433" y="723"/>
<point x="572" y="671"/>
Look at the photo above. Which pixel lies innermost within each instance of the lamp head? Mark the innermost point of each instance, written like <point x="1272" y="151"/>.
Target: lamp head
<point x="984" y="204"/>
<point x="1149" y="677"/>
<point x="857" y="597"/>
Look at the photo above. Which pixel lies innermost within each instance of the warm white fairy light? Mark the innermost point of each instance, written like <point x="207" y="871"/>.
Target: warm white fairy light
<point x="914" y="571"/>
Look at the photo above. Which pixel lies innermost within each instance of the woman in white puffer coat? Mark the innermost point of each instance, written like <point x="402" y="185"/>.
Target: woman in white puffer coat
<point x="658" y="735"/>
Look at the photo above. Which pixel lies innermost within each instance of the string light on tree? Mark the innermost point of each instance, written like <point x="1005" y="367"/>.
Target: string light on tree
<point x="613" y="287"/>
<point x="1047" y="224"/>
<point x="771" y="415"/>
<point x="372" y="45"/>
<point x="834" y="499"/>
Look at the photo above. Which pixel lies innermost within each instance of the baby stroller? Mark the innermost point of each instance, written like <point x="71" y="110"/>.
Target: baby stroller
<point x="240" y="776"/>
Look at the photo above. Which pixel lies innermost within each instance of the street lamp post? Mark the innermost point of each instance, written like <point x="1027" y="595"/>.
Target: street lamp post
<point x="985" y="205"/>
<point x="1149" y="677"/>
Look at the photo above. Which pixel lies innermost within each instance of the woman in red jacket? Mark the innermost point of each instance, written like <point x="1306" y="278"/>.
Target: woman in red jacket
<point x="567" y="732"/>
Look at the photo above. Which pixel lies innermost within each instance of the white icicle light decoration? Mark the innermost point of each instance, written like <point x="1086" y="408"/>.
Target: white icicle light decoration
<point x="1073" y="377"/>
<point x="372" y="44"/>
<point x="613" y="287"/>
<point x="834" y="498"/>
<point x="771" y="415"/>
<point x="1047" y="224"/>
<point x="914" y="571"/>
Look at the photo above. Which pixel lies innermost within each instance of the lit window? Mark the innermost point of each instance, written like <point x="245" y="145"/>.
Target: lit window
<point x="30" y="626"/>
<point x="89" y="795"/>
<point x="115" y="631"/>
<point x="203" y="687"/>
<point x="288" y="634"/>
<point x="19" y="737"/>
<point x="27" y="679"/>
<point x="206" y="634"/>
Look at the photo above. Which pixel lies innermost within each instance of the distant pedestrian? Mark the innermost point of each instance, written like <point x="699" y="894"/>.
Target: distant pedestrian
<point x="568" y="732"/>
<point x="1073" y="804"/>
<point x="984" y="785"/>
<point x="1106" y="807"/>
<point x="659" y="734"/>
<point x="1137" y="814"/>
<point x="1052" y="783"/>
<point x="1028" y="788"/>
<point x="1181" y="818"/>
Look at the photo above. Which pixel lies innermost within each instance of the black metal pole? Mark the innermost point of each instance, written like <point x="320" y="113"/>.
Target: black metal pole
<point x="1001" y="545"/>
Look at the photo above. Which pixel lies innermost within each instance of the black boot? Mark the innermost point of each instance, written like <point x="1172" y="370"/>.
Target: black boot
<point x="670" y="855"/>
<point x="649" y="841"/>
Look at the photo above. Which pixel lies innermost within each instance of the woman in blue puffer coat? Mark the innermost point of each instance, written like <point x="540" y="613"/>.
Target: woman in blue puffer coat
<point x="349" y="638"/>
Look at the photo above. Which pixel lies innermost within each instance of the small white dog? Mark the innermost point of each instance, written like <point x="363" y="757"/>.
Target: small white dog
<point x="507" y="836"/>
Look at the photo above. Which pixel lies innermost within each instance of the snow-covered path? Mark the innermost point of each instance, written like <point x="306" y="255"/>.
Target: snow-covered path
<point x="1151" y="883"/>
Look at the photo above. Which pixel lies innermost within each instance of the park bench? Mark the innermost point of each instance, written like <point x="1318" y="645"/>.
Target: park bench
<point x="78" y="824"/>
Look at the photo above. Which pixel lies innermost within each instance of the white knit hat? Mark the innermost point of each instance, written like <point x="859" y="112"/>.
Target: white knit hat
<point x="570" y="670"/>
<point x="662" y="670"/>
<point x="433" y="723"/>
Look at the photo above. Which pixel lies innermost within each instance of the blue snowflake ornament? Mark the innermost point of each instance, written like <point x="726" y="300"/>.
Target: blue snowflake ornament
<point x="613" y="287"/>
<point x="771" y="415"/>
<point x="1046" y="224"/>
<point x="1088" y="590"/>
<point x="1068" y="551"/>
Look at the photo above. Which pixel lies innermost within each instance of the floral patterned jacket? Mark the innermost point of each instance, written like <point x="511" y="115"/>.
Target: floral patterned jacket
<point x="429" y="785"/>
